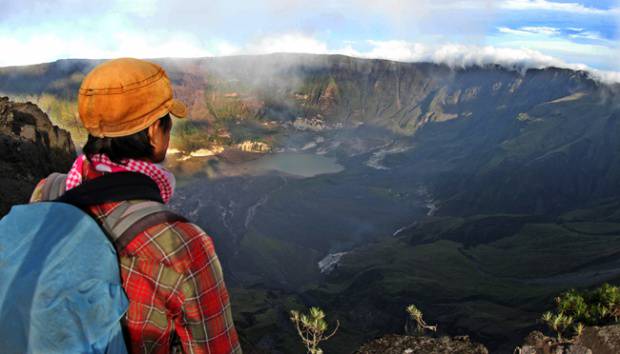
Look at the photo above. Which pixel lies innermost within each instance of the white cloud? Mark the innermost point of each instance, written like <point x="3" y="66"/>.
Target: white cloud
<point x="508" y="30"/>
<point x="570" y="44"/>
<point x="548" y="31"/>
<point x="174" y="45"/>
<point x="395" y="50"/>
<point x="292" y="43"/>
<point x="531" y="30"/>
<point x="578" y="33"/>
<point x="45" y="47"/>
<point x="454" y="55"/>
<point x="49" y="47"/>
<point x="561" y="47"/>
<point x="587" y="35"/>
<point x="458" y="55"/>
<point x="606" y="76"/>
<point x="225" y="48"/>
<point x="572" y="7"/>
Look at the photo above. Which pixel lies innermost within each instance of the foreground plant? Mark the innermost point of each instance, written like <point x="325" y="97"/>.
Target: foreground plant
<point x="311" y="328"/>
<point x="416" y="315"/>
<point x="559" y="323"/>
<point x="597" y="307"/>
<point x="579" y="327"/>
<point x="600" y="306"/>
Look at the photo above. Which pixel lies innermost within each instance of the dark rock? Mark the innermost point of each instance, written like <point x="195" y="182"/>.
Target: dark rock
<point x="553" y="347"/>
<point x="597" y="340"/>
<point x="602" y="340"/>
<point x="31" y="148"/>
<point x="397" y="344"/>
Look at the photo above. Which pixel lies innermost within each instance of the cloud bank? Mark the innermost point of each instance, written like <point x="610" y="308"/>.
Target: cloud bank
<point x="453" y="55"/>
<point x="518" y="34"/>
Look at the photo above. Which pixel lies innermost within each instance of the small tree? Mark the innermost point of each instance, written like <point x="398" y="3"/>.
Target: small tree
<point x="416" y="315"/>
<point x="311" y="328"/>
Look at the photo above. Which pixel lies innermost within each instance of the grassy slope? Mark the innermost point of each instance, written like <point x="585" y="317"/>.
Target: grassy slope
<point x="494" y="290"/>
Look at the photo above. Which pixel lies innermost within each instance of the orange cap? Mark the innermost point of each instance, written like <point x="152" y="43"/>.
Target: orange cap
<point x="124" y="96"/>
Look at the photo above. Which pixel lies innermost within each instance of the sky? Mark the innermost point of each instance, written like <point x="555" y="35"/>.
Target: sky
<point x="578" y="34"/>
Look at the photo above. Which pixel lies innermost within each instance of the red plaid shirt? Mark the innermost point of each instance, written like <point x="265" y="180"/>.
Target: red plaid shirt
<point x="174" y="283"/>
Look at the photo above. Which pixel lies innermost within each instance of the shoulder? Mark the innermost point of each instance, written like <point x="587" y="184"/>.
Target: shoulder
<point x="37" y="193"/>
<point x="49" y="188"/>
<point x="180" y="245"/>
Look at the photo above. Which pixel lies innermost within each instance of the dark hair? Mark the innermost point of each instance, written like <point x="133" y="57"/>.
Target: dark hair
<point x="134" y="146"/>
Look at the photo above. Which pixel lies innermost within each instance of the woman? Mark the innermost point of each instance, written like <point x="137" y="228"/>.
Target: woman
<point x="170" y="270"/>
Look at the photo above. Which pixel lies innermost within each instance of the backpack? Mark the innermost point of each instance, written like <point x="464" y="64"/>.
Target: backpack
<point x="60" y="285"/>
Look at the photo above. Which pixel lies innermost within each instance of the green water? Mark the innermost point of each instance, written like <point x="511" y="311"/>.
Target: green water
<point x="299" y="164"/>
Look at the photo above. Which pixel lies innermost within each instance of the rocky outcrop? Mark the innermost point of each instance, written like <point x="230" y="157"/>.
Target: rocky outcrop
<point x="593" y="340"/>
<point x="397" y="344"/>
<point x="253" y="146"/>
<point x="538" y="343"/>
<point x="31" y="148"/>
<point x="602" y="340"/>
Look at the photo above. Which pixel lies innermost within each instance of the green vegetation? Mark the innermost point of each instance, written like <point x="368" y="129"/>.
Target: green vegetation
<point x="226" y="107"/>
<point x="416" y="315"/>
<point x="189" y="135"/>
<point x="311" y="328"/>
<point x="594" y="307"/>
<point x="496" y="287"/>
<point x="559" y="323"/>
<point x="600" y="306"/>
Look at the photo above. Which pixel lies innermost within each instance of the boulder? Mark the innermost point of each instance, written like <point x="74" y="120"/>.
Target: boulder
<point x="31" y="148"/>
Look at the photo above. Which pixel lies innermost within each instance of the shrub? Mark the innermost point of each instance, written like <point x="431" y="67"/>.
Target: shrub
<point x="416" y="315"/>
<point x="311" y="328"/>
<point x="600" y="306"/>
<point x="559" y="323"/>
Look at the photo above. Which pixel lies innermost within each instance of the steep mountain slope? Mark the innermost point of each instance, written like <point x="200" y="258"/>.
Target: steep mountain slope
<point x="331" y="89"/>
<point x="552" y="130"/>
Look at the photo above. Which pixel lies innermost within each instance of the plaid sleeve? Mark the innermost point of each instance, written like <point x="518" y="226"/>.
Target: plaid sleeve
<point x="206" y="314"/>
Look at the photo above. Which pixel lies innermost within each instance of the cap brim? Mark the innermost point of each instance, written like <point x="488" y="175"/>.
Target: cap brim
<point x="178" y="109"/>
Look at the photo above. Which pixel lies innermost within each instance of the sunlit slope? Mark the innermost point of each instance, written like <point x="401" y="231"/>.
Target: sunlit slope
<point x="400" y="97"/>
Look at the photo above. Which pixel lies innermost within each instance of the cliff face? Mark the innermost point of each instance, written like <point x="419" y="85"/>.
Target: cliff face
<point x="30" y="149"/>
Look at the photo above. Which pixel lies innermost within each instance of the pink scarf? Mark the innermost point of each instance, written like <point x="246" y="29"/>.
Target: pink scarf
<point x="102" y="164"/>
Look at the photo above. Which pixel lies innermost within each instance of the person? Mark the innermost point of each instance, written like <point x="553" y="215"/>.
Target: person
<point x="170" y="271"/>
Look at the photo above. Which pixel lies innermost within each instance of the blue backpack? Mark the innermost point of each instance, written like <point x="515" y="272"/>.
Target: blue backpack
<point x="60" y="286"/>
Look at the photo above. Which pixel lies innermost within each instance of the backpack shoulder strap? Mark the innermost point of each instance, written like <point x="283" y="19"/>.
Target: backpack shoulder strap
<point x="54" y="186"/>
<point x="130" y="218"/>
<point x="140" y="206"/>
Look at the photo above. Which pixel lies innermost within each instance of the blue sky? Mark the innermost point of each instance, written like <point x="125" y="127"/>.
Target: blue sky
<point x="529" y="33"/>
